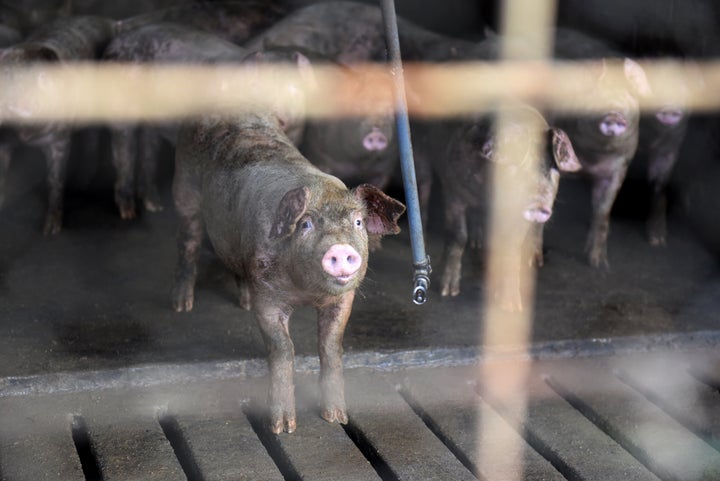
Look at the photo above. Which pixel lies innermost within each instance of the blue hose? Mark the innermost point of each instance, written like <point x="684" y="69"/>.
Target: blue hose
<point x="421" y="261"/>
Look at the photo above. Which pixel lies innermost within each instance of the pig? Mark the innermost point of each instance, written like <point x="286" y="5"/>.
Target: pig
<point x="234" y="21"/>
<point x="472" y="150"/>
<point x="173" y="43"/>
<point x="349" y="33"/>
<point x="159" y="43"/>
<point x="662" y="132"/>
<point x="661" y="136"/>
<point x="356" y="148"/>
<point x="292" y="234"/>
<point x="605" y="141"/>
<point x="64" y="40"/>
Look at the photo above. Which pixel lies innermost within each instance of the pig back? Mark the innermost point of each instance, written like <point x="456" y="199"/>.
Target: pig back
<point x="75" y="38"/>
<point x="168" y="42"/>
<point x="243" y="169"/>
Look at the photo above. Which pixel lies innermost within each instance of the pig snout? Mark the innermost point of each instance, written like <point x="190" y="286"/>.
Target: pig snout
<point x="375" y="140"/>
<point x="669" y="116"/>
<point x="537" y="212"/>
<point x="342" y="262"/>
<point x="613" y="124"/>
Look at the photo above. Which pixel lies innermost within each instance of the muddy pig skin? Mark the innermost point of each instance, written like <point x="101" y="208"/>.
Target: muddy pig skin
<point x="234" y="21"/>
<point x="292" y="234"/>
<point x="350" y="32"/>
<point x="607" y="140"/>
<point x="64" y="40"/>
<point x="463" y="173"/>
<point x="172" y="43"/>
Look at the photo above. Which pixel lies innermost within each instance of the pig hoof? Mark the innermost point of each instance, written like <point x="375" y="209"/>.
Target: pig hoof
<point x="152" y="206"/>
<point x="52" y="227"/>
<point x="658" y="241"/>
<point x="335" y="415"/>
<point x="285" y="424"/>
<point x="126" y="206"/>
<point x="451" y="291"/>
<point x="127" y="213"/>
<point x="183" y="300"/>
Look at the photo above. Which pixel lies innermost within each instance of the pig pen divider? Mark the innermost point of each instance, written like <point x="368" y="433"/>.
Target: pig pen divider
<point x="421" y="261"/>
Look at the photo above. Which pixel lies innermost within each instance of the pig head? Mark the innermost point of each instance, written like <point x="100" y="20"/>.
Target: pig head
<point x="474" y="149"/>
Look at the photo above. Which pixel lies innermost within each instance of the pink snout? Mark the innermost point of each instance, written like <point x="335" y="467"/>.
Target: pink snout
<point x="538" y="214"/>
<point x="375" y="140"/>
<point x="342" y="262"/>
<point x="613" y="124"/>
<point x="669" y="116"/>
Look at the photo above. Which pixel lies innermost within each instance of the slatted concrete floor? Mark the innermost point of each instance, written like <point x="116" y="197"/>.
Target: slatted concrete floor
<point x="636" y="417"/>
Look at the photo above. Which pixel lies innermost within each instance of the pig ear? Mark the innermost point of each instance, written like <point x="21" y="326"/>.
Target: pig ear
<point x="637" y="78"/>
<point x="307" y="74"/>
<point x="562" y="151"/>
<point x="292" y="207"/>
<point x="45" y="53"/>
<point x="383" y="211"/>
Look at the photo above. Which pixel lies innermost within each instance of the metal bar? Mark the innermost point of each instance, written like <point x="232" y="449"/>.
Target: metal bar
<point x="421" y="261"/>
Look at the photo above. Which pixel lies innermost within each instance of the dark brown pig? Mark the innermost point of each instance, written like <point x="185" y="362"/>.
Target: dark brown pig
<point x="157" y="43"/>
<point x="463" y="173"/>
<point x="662" y="132"/>
<point x="357" y="148"/>
<point x="351" y="32"/>
<point x="64" y="40"/>
<point x="165" y="43"/>
<point x="293" y="234"/>
<point x="605" y="140"/>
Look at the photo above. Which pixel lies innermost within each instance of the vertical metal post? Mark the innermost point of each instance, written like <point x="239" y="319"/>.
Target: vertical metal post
<point x="421" y="261"/>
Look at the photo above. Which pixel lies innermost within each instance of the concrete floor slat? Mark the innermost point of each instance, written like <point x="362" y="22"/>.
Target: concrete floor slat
<point x="668" y="382"/>
<point x="448" y="398"/>
<point x="225" y="448"/>
<point x="575" y="445"/>
<point x="135" y="449"/>
<point x="662" y="443"/>
<point x="397" y="435"/>
<point x="41" y="456"/>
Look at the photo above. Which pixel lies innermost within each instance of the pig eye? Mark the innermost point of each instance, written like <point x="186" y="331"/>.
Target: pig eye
<point x="306" y="225"/>
<point x="358" y="222"/>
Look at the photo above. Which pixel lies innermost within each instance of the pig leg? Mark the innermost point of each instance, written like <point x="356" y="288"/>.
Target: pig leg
<point x="244" y="297"/>
<point x="150" y="141"/>
<point x="332" y="320"/>
<point x="659" y="171"/>
<point x="56" y="154"/>
<point x="604" y="192"/>
<point x="187" y="204"/>
<point x="124" y="149"/>
<point x="4" y="167"/>
<point x="273" y="322"/>
<point x="535" y="245"/>
<point x="456" y="236"/>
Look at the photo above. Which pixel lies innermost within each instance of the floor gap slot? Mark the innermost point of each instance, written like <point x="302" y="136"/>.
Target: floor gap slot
<point x="369" y="451"/>
<point x="183" y="452"/>
<point x="259" y="423"/>
<point x="84" y="448"/>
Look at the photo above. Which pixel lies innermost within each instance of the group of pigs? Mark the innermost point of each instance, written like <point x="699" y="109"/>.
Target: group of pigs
<point x="267" y="185"/>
